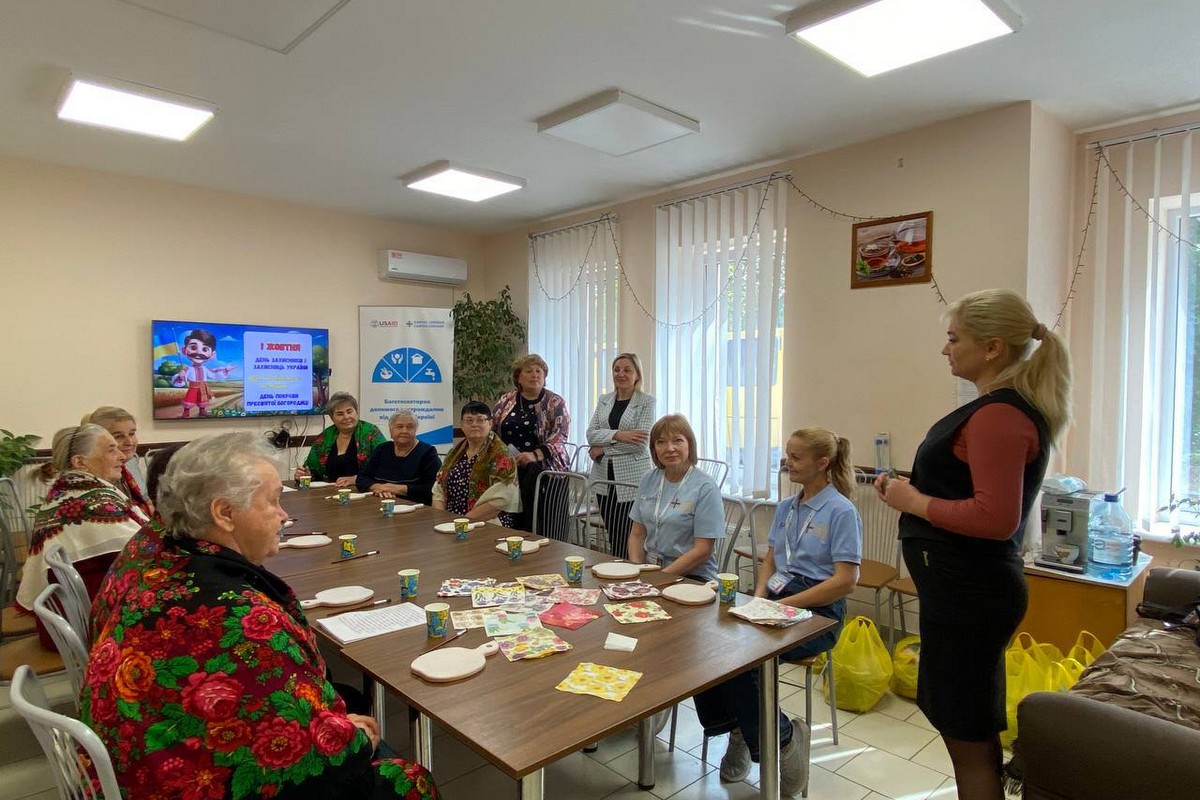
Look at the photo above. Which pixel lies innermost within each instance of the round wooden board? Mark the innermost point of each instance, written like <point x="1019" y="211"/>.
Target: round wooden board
<point x="616" y="570"/>
<point x="452" y="663"/>
<point x="311" y="540"/>
<point x="339" y="596"/>
<point x="690" y="594"/>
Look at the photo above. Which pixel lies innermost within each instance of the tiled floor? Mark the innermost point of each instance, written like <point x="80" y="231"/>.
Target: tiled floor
<point x="888" y="752"/>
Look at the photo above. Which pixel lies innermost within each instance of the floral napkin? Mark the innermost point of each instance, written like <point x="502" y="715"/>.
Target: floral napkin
<point x="762" y="611"/>
<point x="498" y="595"/>
<point x="468" y="618"/>
<point x="609" y="683"/>
<point x="627" y="589"/>
<point x="461" y="587"/>
<point x="538" y="602"/>
<point x="534" y="643"/>
<point x="576" y="597"/>
<point x="565" y="615"/>
<point x="637" y="611"/>
<point x="547" y="581"/>
<point x="509" y="621"/>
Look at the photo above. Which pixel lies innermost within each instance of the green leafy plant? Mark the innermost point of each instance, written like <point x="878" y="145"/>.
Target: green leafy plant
<point x="488" y="334"/>
<point x="1187" y="504"/>
<point x="15" y="450"/>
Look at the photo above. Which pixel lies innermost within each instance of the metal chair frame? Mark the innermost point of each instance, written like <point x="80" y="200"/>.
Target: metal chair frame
<point x="715" y="469"/>
<point x="576" y="500"/>
<point x="61" y="738"/>
<point x="50" y="609"/>
<point x="591" y="523"/>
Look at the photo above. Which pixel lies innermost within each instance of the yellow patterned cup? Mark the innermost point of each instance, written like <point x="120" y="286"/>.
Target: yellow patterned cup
<point x="729" y="586"/>
<point x="436" y="617"/>
<point x="349" y="544"/>
<point x="387" y="507"/>
<point x="408" y="583"/>
<point x="462" y="526"/>
<point x="514" y="546"/>
<point x="574" y="569"/>
<point x="344" y="496"/>
<point x="304" y="482"/>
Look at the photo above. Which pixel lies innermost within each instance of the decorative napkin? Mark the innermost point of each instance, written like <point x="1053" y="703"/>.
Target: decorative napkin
<point x="534" y="643"/>
<point x="762" y="611"/>
<point x="461" y="587"/>
<point x="565" y="615"/>
<point x="498" y="595"/>
<point x="637" y="611"/>
<point x="627" y="589"/>
<point x="468" y="618"/>
<point x="538" y="602"/>
<point x="609" y="683"/>
<point x="547" y="581"/>
<point x="576" y="597"/>
<point x="509" y="621"/>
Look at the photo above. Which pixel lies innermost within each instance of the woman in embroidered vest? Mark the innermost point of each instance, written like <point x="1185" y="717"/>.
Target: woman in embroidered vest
<point x="123" y="427"/>
<point x="344" y="447"/>
<point x="478" y="479"/>
<point x="534" y="421"/>
<point x="963" y="514"/>
<point x="617" y="435"/>
<point x="84" y="511"/>
<point x="205" y="680"/>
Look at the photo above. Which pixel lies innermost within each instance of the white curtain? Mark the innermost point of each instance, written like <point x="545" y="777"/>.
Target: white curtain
<point x="718" y="291"/>
<point x="573" y="313"/>
<point x="1140" y="418"/>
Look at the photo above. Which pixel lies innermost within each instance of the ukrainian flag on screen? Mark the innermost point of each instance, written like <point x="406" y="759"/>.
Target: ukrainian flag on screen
<point x="164" y="350"/>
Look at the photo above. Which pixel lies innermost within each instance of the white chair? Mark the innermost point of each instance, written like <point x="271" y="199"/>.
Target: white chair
<point x="75" y="601"/>
<point x="717" y="470"/>
<point x="49" y="607"/>
<point x="61" y="738"/>
<point x="12" y="623"/>
<point x="879" y="565"/>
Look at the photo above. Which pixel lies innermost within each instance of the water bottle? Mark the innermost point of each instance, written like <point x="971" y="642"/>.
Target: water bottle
<point x="1110" y="541"/>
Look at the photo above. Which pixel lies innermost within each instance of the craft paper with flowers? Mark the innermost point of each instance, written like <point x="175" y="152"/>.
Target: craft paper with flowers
<point x="509" y="621"/>
<point x="627" y="589"/>
<point x="565" y="615"/>
<point x="498" y="595"/>
<point x="609" y="683"/>
<point x="636" y="611"/>
<point x="547" y="581"/>
<point x="535" y="643"/>
<point x="576" y="597"/>
<point x="461" y="587"/>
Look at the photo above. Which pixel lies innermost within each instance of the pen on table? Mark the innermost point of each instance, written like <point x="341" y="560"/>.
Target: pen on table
<point x="382" y="602"/>
<point x="351" y="558"/>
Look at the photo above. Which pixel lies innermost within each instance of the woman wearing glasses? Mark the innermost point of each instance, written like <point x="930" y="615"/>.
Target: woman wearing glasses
<point x="478" y="479"/>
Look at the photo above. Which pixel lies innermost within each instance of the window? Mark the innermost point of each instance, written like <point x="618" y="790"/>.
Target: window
<point x="573" y="306"/>
<point x="719" y="286"/>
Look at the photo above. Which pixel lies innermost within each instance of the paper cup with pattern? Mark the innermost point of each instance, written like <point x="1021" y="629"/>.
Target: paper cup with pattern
<point x="304" y="482"/>
<point x="408" y="583"/>
<point x="462" y="526"/>
<point x="574" y="569"/>
<point x="387" y="507"/>
<point x="344" y="496"/>
<point x="436" y="617"/>
<point x="514" y="546"/>
<point x="349" y="542"/>
<point x="728" y="586"/>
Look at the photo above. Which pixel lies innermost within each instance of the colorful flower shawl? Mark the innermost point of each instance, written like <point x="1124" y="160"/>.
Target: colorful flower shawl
<point x="366" y="438"/>
<point x="493" y="466"/>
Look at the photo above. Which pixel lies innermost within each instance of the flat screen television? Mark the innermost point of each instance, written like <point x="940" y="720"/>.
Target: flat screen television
<point x="216" y="369"/>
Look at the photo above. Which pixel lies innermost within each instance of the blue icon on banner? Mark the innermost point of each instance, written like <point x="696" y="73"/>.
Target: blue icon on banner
<point x="407" y="365"/>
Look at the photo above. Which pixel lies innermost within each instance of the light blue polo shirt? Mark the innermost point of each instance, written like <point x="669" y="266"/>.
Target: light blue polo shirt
<point x="688" y="510"/>
<point x="833" y="534"/>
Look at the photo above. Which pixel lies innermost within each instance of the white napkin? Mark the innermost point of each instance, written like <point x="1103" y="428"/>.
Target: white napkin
<point x="616" y="641"/>
<point x="319" y="484"/>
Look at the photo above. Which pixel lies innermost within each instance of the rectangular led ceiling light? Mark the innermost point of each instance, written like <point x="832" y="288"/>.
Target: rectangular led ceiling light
<point x="109" y="103"/>
<point x="876" y="36"/>
<point x="464" y="183"/>
<point x="617" y="123"/>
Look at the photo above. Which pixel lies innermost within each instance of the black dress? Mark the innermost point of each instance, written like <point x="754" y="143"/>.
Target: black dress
<point x="519" y="429"/>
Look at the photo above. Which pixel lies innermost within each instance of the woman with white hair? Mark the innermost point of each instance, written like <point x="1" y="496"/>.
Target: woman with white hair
<point x="404" y="467"/>
<point x="123" y="427"/>
<point x="84" y="511"/>
<point x="205" y="679"/>
<point x="342" y="449"/>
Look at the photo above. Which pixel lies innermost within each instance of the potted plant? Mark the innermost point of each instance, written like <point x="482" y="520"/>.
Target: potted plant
<point x="1174" y="507"/>
<point x="487" y="336"/>
<point x="15" y="450"/>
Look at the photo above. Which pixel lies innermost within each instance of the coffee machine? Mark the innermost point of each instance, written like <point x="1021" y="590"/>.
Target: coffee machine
<point x="1065" y="529"/>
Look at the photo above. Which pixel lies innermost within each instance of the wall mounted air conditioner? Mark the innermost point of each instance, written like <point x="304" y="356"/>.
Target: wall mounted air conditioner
<point x="397" y="265"/>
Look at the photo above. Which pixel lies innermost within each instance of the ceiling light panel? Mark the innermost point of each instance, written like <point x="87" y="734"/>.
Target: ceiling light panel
<point x="876" y="37"/>
<point x="464" y="183"/>
<point x="118" y="105"/>
<point x="617" y="123"/>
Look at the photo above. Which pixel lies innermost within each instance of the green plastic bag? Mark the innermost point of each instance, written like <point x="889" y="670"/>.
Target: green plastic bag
<point x="862" y="668"/>
<point x="905" y="660"/>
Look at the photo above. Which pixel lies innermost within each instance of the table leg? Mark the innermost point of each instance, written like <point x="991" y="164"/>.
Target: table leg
<point x="532" y="786"/>
<point x="379" y="707"/>
<point x="768" y="726"/>
<point x="421" y="734"/>
<point x="646" y="753"/>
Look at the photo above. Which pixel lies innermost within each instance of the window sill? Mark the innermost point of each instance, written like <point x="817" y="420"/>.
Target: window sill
<point x="1161" y="532"/>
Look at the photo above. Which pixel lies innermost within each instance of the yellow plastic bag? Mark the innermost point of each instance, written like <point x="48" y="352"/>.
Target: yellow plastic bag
<point x="1063" y="674"/>
<point x="905" y="660"/>
<point x="1087" y="648"/>
<point x="862" y="668"/>
<point x="1023" y="675"/>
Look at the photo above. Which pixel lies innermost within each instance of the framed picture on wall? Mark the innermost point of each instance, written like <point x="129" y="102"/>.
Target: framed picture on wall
<point x="887" y="252"/>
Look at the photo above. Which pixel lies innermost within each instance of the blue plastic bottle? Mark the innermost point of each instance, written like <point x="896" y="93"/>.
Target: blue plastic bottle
<point x="1110" y="541"/>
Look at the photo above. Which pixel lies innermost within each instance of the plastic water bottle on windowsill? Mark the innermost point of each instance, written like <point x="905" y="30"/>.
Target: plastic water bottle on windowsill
<point x="1110" y="541"/>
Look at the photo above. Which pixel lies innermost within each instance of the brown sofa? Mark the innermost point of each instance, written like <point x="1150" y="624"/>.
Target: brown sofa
<point x="1130" y="728"/>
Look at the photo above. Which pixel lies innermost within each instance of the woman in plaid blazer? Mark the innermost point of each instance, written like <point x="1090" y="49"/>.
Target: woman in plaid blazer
<point x="617" y="437"/>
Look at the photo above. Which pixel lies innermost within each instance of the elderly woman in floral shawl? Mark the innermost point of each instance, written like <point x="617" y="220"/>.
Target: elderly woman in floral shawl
<point x="478" y="479"/>
<point x="342" y="449"/>
<point x="204" y="679"/>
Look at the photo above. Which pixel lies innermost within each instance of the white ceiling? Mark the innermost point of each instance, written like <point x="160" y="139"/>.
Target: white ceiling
<point x="383" y="87"/>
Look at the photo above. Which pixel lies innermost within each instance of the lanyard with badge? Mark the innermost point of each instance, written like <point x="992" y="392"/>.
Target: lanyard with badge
<point x="659" y="511"/>
<point x="779" y="581"/>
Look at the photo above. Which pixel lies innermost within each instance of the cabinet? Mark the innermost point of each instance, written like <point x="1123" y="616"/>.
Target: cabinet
<point x="1062" y="604"/>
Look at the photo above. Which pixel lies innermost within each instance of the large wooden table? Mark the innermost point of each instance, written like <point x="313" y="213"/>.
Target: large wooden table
<point x="511" y="713"/>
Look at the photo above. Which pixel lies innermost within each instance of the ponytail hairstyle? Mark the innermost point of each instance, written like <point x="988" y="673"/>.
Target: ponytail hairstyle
<point x="821" y="443"/>
<point x="1040" y="373"/>
<point x="77" y="440"/>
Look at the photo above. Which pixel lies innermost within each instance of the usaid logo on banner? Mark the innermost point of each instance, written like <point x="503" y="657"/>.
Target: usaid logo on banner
<point x="384" y="323"/>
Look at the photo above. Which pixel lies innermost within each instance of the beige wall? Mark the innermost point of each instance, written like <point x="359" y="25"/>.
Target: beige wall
<point x="868" y="360"/>
<point x="88" y="259"/>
